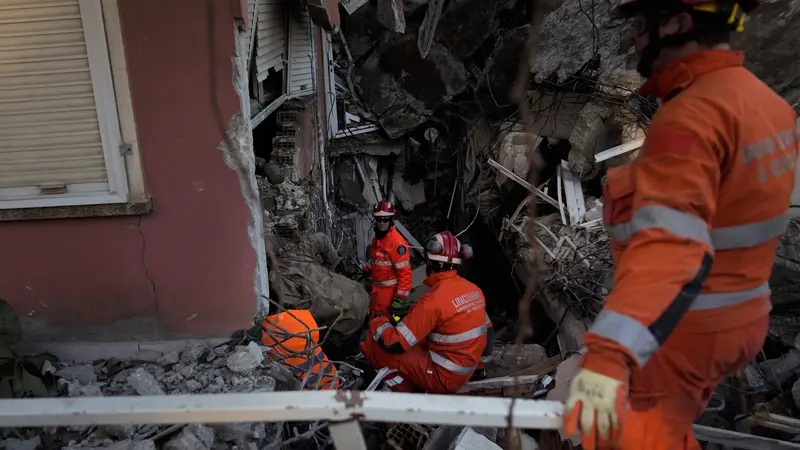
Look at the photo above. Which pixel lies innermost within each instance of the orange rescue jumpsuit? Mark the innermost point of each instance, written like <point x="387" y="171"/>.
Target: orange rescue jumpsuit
<point x="390" y="270"/>
<point x="695" y="223"/>
<point x="438" y="345"/>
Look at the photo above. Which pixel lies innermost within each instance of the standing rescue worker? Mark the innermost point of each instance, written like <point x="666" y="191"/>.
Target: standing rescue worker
<point x="389" y="264"/>
<point x="695" y="224"/>
<point x="439" y="344"/>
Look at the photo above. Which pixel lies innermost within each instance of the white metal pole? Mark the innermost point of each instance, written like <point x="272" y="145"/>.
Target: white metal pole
<point x="334" y="406"/>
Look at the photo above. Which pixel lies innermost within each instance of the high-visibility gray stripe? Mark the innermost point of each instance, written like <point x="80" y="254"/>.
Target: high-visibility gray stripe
<point x="405" y="293"/>
<point x="407" y="334"/>
<point x="378" y="262"/>
<point x="460" y="337"/>
<point x="627" y="332"/>
<point x="450" y="365"/>
<point x="676" y="222"/>
<point x="380" y="330"/>
<point x="402" y="264"/>
<point x="722" y="299"/>
<point x="749" y="235"/>
<point x="385" y="283"/>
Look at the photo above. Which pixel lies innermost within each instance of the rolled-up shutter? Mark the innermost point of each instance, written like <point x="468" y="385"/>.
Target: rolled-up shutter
<point x="301" y="55"/>
<point x="57" y="108"/>
<point x="271" y="42"/>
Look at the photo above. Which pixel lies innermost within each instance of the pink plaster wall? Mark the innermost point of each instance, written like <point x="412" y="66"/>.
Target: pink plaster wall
<point x="195" y="247"/>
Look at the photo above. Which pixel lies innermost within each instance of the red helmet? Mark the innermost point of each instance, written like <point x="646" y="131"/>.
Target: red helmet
<point x="446" y="248"/>
<point x="632" y="7"/>
<point x="384" y="208"/>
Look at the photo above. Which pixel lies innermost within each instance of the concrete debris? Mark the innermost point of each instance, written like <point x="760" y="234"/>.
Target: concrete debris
<point x="390" y="14"/>
<point x="196" y="438"/>
<point x="574" y="42"/>
<point x="796" y="393"/>
<point x="83" y="374"/>
<point x="403" y="90"/>
<point x="427" y="30"/>
<point x="494" y="89"/>
<point x="367" y="144"/>
<point x="17" y="444"/>
<point x="466" y="24"/>
<point x="469" y="439"/>
<point x="246" y="359"/>
<point x="409" y="195"/>
<point x="144" y="383"/>
<point x="590" y="136"/>
<point x="193" y="351"/>
<point x="506" y="360"/>
<point x="515" y="152"/>
<point x="199" y="369"/>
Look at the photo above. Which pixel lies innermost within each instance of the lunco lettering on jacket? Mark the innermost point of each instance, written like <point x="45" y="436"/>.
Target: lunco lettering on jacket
<point x="470" y="301"/>
<point x="782" y="149"/>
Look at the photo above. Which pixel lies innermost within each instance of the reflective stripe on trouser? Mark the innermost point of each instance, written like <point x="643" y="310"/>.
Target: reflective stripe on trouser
<point x="631" y="334"/>
<point x="685" y="225"/>
<point x="450" y="365"/>
<point x="385" y="283"/>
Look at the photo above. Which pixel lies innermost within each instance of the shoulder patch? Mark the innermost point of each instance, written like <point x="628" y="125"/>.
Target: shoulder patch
<point x="401" y="250"/>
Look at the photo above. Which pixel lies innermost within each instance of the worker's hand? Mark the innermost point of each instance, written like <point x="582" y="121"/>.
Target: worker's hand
<point x="597" y="403"/>
<point x="398" y="309"/>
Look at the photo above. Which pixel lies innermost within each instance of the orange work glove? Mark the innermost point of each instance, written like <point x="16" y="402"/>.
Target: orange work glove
<point x="595" y="407"/>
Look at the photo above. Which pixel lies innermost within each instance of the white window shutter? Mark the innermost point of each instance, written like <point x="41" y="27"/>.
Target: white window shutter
<point x="271" y="34"/>
<point x="60" y="140"/>
<point x="301" y="54"/>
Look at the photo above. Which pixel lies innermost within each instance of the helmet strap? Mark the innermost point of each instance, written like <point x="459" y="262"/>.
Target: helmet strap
<point x="657" y="43"/>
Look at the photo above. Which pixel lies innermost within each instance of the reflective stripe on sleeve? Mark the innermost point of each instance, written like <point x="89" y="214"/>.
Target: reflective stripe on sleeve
<point x="460" y="337"/>
<point x="378" y="262"/>
<point x="723" y="299"/>
<point x="449" y="365"/>
<point x="676" y="222"/>
<point x="407" y="334"/>
<point x="627" y="332"/>
<point x="380" y="330"/>
<point x="403" y="293"/>
<point x="402" y="264"/>
<point x="749" y="235"/>
<point x="385" y="283"/>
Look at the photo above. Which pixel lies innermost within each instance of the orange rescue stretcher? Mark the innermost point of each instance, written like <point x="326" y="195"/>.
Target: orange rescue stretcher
<point x="293" y="336"/>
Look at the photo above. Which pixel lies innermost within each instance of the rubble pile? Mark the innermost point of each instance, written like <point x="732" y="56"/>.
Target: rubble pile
<point x="197" y="369"/>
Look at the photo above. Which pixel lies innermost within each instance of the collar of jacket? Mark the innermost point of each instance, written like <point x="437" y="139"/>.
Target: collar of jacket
<point x="439" y="276"/>
<point x="678" y="75"/>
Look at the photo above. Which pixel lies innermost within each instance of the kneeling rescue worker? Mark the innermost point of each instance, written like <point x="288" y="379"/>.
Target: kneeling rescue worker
<point x="389" y="264"/>
<point x="695" y="223"/>
<point x="438" y="345"/>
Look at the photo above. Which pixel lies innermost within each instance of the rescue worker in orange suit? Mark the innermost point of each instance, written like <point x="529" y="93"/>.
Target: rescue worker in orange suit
<point x="695" y="223"/>
<point x="438" y="345"/>
<point x="390" y="262"/>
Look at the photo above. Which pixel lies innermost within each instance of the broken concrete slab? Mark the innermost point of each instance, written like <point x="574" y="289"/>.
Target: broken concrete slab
<point x="466" y="24"/>
<point x="403" y="90"/>
<point x="494" y="91"/>
<point x="18" y="444"/>
<point x="409" y="195"/>
<point x="83" y="374"/>
<point x="576" y="38"/>
<point x="470" y="439"/>
<point x="515" y="152"/>
<point x="144" y="383"/>
<point x="391" y="15"/>
<point x="589" y="136"/>
<point x="246" y="359"/>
